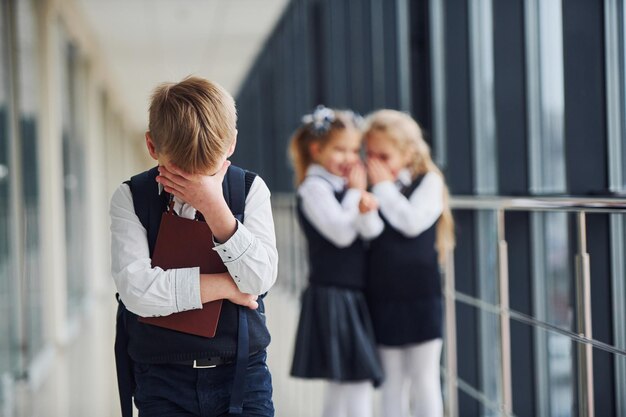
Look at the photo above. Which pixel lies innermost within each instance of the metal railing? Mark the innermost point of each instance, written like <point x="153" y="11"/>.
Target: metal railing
<point x="583" y="335"/>
<point x="293" y="276"/>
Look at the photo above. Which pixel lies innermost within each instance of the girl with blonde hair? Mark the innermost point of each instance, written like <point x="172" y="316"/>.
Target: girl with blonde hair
<point x="404" y="284"/>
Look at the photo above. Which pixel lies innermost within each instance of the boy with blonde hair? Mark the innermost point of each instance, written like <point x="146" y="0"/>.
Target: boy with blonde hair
<point x="192" y="132"/>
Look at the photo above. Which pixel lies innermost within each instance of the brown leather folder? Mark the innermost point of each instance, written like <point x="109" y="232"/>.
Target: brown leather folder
<point x="184" y="243"/>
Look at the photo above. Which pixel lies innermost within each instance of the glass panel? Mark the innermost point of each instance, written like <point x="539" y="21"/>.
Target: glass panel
<point x="552" y="282"/>
<point x="490" y="354"/>
<point x="482" y="87"/>
<point x="558" y="376"/>
<point x="403" y="46"/>
<point x="6" y="218"/>
<point x="438" y="82"/>
<point x="615" y="36"/>
<point x="73" y="174"/>
<point x="28" y="121"/>
<point x="485" y="157"/>
<point x="622" y="41"/>
<point x="378" y="62"/>
<point x="544" y="56"/>
<point x="552" y="264"/>
<point x="618" y="269"/>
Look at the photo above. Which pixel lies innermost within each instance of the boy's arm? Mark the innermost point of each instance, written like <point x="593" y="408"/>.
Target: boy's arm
<point x="250" y="253"/>
<point x="221" y="286"/>
<point x="248" y="250"/>
<point x="148" y="291"/>
<point x="145" y="291"/>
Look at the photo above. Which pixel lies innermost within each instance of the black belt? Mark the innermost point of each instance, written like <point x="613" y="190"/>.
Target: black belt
<point x="211" y="362"/>
<point x="241" y="363"/>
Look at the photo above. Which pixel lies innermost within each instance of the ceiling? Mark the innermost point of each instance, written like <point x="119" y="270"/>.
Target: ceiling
<point x="145" y="42"/>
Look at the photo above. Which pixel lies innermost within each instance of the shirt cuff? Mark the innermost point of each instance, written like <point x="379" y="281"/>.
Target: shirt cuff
<point x="236" y="246"/>
<point x="383" y="190"/>
<point x="187" y="289"/>
<point x="370" y="224"/>
<point x="352" y="198"/>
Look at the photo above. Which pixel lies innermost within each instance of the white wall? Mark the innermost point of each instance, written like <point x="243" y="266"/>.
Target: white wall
<point x="74" y="374"/>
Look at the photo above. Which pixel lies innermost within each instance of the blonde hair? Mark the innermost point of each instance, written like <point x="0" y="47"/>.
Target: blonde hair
<point x="406" y="135"/>
<point x="192" y="122"/>
<point x="305" y="135"/>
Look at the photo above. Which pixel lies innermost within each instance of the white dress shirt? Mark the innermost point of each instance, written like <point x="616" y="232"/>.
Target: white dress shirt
<point x="250" y="256"/>
<point x="339" y="222"/>
<point x="420" y="211"/>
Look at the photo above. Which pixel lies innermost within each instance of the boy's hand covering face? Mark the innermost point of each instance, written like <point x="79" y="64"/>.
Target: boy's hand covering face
<point x="200" y="191"/>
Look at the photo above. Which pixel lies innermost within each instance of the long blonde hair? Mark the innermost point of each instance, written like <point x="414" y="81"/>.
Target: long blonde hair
<point x="307" y="134"/>
<point x="406" y="135"/>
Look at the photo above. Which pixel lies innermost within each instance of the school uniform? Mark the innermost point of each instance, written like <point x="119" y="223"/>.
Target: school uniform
<point x="163" y="360"/>
<point x="335" y="340"/>
<point x="404" y="292"/>
<point x="403" y="279"/>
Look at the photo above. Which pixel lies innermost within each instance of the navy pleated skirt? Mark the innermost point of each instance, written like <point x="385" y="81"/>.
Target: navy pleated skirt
<point x="335" y="339"/>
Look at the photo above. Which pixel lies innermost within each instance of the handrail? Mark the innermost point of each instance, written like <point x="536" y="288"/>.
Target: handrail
<point x="534" y="203"/>
<point x="518" y="316"/>
<point x="522" y="203"/>
<point x="581" y="206"/>
<point x="284" y="202"/>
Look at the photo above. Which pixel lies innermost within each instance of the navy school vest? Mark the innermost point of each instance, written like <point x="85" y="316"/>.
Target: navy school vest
<point x="152" y="344"/>
<point x="400" y="268"/>
<point x="330" y="265"/>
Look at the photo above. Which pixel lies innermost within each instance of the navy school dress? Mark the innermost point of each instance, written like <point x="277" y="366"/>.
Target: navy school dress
<point x="404" y="285"/>
<point x="335" y="339"/>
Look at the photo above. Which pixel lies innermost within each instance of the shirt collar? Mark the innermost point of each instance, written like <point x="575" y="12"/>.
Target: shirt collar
<point x="176" y="199"/>
<point x="338" y="183"/>
<point x="404" y="178"/>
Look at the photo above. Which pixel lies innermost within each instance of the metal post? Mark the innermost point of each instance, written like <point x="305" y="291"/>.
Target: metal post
<point x="505" y="324"/>
<point x="451" y="361"/>
<point x="583" y="313"/>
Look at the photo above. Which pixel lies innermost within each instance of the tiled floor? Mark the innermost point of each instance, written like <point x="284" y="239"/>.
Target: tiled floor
<point x="80" y="381"/>
<point x="292" y="396"/>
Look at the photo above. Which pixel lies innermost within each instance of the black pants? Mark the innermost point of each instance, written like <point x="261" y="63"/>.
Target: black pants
<point x="182" y="391"/>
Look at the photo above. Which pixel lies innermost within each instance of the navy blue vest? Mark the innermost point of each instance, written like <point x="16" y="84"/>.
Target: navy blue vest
<point x="152" y="344"/>
<point x="329" y="264"/>
<point x="401" y="268"/>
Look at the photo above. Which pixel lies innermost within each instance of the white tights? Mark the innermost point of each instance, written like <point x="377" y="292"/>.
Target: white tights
<point x="348" y="399"/>
<point x="412" y="380"/>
